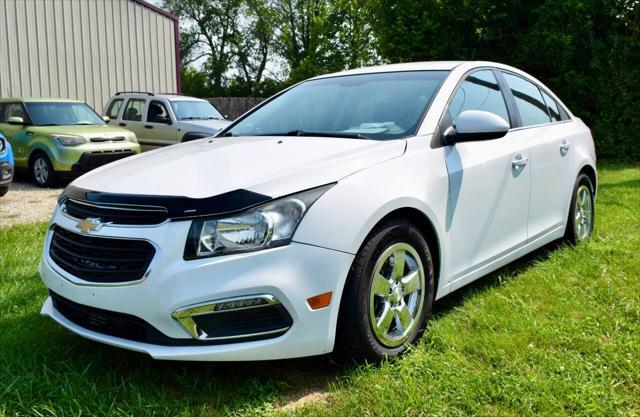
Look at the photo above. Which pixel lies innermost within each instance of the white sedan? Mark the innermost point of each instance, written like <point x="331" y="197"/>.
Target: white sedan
<point x="329" y="218"/>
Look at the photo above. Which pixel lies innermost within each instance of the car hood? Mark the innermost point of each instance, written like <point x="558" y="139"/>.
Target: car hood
<point x="206" y="126"/>
<point x="265" y="165"/>
<point x="87" y="131"/>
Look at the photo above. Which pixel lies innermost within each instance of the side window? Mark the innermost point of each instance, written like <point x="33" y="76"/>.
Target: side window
<point x="552" y="107"/>
<point x="134" y="109"/>
<point x="14" y="110"/>
<point x="479" y="91"/>
<point x="2" y="119"/>
<point x="114" y="108"/>
<point x="158" y="113"/>
<point x="531" y="106"/>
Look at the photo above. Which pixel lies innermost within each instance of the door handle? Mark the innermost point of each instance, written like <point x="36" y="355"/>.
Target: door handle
<point x="122" y="124"/>
<point x="564" y="147"/>
<point x="148" y="127"/>
<point x="519" y="162"/>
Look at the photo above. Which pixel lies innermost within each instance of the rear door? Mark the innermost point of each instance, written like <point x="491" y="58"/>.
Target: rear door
<point x="543" y="130"/>
<point x="489" y="185"/>
<point x="133" y="116"/>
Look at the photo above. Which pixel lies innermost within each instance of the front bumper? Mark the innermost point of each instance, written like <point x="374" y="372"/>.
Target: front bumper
<point x="75" y="160"/>
<point x="292" y="274"/>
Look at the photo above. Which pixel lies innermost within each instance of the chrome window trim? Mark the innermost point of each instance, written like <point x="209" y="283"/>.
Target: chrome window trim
<point x="83" y="283"/>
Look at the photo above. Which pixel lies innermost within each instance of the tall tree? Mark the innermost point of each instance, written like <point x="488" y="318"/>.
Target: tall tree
<point x="254" y="42"/>
<point x="210" y="27"/>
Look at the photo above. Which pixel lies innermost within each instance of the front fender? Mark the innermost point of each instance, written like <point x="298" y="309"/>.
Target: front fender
<point x="343" y="217"/>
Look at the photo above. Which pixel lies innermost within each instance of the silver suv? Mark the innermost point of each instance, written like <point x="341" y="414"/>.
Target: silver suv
<point x="164" y="119"/>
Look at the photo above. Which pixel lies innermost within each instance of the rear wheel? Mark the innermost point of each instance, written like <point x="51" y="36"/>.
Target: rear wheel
<point x="42" y="171"/>
<point x="582" y="211"/>
<point x="388" y="294"/>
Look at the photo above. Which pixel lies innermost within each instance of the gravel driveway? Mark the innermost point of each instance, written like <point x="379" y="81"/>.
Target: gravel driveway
<point x="25" y="203"/>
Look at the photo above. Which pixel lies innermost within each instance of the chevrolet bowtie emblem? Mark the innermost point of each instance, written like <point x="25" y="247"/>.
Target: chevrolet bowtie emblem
<point x="90" y="225"/>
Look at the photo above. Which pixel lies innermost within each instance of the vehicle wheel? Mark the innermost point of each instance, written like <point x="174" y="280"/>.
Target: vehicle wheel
<point x="42" y="171"/>
<point x="3" y="191"/>
<point x="581" y="212"/>
<point x="388" y="294"/>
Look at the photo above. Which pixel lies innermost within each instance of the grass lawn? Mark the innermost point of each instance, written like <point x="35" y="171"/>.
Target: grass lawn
<point x="556" y="333"/>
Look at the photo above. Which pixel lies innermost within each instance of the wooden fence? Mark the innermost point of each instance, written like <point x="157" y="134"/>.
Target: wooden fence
<point x="232" y="107"/>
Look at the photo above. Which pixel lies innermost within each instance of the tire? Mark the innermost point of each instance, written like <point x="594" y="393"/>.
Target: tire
<point x="581" y="218"/>
<point x="4" y="190"/>
<point x="367" y="300"/>
<point x="42" y="171"/>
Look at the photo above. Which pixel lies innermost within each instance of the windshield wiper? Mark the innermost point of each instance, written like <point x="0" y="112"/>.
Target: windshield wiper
<point x="192" y="118"/>
<point x="319" y="134"/>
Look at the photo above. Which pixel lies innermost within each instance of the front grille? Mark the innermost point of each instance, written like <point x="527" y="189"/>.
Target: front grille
<point x="100" y="259"/>
<point x="115" y="214"/>
<point x="92" y="160"/>
<point x="123" y="325"/>
<point x="113" y="139"/>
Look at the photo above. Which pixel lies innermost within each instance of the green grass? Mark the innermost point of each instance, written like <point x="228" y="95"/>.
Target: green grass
<point x="553" y="334"/>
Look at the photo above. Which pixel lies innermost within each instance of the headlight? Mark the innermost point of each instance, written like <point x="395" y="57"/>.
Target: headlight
<point x="267" y="226"/>
<point x="68" y="140"/>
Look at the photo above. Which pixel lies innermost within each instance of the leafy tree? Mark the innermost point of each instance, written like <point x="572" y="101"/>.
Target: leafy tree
<point x="211" y="26"/>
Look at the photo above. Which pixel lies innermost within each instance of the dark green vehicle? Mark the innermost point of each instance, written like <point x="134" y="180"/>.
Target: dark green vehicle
<point x="54" y="138"/>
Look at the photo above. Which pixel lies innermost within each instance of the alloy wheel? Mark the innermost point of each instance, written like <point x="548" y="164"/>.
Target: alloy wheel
<point x="40" y="171"/>
<point x="396" y="296"/>
<point x="583" y="213"/>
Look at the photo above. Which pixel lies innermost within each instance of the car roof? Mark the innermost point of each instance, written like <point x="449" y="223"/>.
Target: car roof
<point x="411" y="66"/>
<point x="38" y="100"/>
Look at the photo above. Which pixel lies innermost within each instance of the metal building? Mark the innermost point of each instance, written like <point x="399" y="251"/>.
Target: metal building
<point x="86" y="49"/>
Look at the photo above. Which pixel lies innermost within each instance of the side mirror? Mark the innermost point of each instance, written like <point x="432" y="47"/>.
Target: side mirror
<point x="16" y="121"/>
<point x="106" y="119"/>
<point x="475" y="125"/>
<point x="165" y="120"/>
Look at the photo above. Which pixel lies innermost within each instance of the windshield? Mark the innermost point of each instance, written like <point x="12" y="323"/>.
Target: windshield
<point x="195" y="110"/>
<point x="372" y="106"/>
<point x="62" y="114"/>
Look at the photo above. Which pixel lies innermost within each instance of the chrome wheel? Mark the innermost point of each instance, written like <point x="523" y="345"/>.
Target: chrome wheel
<point x="396" y="296"/>
<point x="583" y="213"/>
<point x="40" y="171"/>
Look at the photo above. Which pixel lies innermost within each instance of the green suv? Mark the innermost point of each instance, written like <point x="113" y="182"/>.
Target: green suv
<point x="55" y="138"/>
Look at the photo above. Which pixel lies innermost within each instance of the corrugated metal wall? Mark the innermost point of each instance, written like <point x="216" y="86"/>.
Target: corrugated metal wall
<point x="84" y="49"/>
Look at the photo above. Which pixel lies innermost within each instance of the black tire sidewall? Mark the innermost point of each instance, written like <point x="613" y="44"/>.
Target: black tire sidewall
<point x="354" y="324"/>
<point x="570" y="233"/>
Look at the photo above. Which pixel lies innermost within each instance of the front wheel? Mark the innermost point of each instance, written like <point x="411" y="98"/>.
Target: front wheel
<point x="42" y="171"/>
<point x="4" y="190"/>
<point x="388" y="294"/>
<point x="581" y="212"/>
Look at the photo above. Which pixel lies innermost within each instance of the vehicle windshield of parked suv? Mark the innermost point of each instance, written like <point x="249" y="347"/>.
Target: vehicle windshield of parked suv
<point x="62" y="114"/>
<point x="195" y="110"/>
<point x="370" y="106"/>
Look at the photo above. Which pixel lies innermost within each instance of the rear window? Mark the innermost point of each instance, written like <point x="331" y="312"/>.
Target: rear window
<point x="531" y="106"/>
<point x="134" y="109"/>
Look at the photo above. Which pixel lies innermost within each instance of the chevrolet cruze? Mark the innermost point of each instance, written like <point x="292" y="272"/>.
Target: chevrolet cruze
<point x="329" y="218"/>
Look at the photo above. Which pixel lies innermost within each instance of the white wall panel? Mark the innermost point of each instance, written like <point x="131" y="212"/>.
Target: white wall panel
<point x="84" y="49"/>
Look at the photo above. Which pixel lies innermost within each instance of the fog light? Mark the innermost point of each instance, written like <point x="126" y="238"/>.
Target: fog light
<point x="320" y="301"/>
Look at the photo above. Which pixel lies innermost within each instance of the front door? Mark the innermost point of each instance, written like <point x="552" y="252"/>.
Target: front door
<point x="489" y="185"/>
<point x="17" y="135"/>
<point x="160" y="128"/>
